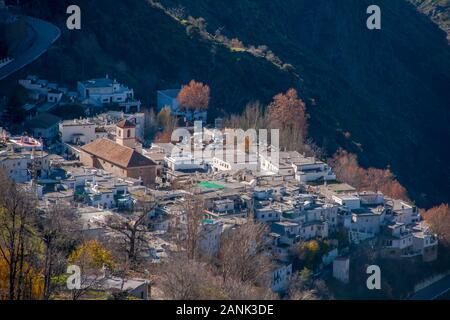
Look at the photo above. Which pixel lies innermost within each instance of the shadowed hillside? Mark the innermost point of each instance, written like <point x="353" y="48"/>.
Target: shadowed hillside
<point x="388" y="88"/>
<point x="437" y="10"/>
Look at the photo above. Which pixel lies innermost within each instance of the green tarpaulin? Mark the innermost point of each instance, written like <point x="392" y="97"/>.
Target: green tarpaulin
<point x="210" y="185"/>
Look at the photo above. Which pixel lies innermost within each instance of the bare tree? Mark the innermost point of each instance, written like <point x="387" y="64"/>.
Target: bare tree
<point x="304" y="287"/>
<point x="132" y="228"/>
<point x="17" y="224"/>
<point x="150" y="123"/>
<point x="238" y="290"/>
<point x="184" y="279"/>
<point x="253" y="117"/>
<point x="242" y="254"/>
<point x="58" y="231"/>
<point x="194" y="207"/>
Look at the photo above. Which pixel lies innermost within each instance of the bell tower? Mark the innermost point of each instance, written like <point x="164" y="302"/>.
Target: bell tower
<point x="126" y="133"/>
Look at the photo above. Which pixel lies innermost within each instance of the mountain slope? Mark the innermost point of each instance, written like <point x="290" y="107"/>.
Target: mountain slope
<point x="437" y="10"/>
<point x="144" y="48"/>
<point x="388" y="88"/>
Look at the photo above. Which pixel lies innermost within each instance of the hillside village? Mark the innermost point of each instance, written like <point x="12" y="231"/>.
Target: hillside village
<point x="103" y="167"/>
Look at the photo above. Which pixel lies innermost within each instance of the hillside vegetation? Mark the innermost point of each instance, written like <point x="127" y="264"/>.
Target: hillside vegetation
<point x="381" y="94"/>
<point x="437" y="10"/>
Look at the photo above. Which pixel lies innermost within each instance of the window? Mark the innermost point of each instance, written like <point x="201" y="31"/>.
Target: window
<point x="128" y="133"/>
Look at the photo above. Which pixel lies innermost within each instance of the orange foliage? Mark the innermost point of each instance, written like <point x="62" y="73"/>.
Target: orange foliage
<point x="194" y="96"/>
<point x="32" y="282"/>
<point x="163" y="137"/>
<point x="347" y="169"/>
<point x="439" y="220"/>
<point x="288" y="111"/>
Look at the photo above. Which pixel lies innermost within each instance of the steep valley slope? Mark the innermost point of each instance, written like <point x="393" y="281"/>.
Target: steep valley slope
<point x="388" y="88"/>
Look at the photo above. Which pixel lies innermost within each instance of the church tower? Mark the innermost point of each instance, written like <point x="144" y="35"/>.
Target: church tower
<point x="126" y="133"/>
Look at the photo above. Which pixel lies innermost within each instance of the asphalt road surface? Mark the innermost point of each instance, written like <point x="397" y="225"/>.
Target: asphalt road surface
<point x="45" y="35"/>
<point x="434" y="291"/>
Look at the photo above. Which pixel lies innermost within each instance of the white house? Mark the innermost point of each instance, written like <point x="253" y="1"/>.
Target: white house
<point x="233" y="160"/>
<point x="313" y="229"/>
<point x="135" y="287"/>
<point x="310" y="169"/>
<point x="267" y="214"/>
<point x="183" y="161"/>
<point x="398" y="241"/>
<point x="368" y="220"/>
<point x="403" y="212"/>
<point x="350" y="201"/>
<point x="426" y="244"/>
<point x="77" y="131"/>
<point x="304" y="169"/>
<point x="403" y="241"/>
<point x="105" y="91"/>
<point x="18" y="165"/>
<point x="38" y="88"/>
<point x="281" y="276"/>
<point x="99" y="196"/>
<point x="288" y="231"/>
<point x="224" y="205"/>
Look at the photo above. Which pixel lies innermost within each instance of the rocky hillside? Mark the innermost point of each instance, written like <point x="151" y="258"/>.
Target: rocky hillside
<point x="437" y="10"/>
<point x="381" y="94"/>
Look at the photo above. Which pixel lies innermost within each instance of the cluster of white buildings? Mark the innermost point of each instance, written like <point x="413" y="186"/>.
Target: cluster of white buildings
<point x="296" y="196"/>
<point x="99" y="92"/>
<point x="106" y="91"/>
<point x="299" y="199"/>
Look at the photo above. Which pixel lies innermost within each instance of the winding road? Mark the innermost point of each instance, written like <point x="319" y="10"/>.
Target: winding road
<point x="434" y="291"/>
<point x="45" y="35"/>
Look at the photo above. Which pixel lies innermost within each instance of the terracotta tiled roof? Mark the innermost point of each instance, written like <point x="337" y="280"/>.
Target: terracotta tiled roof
<point x="125" y="124"/>
<point x="114" y="153"/>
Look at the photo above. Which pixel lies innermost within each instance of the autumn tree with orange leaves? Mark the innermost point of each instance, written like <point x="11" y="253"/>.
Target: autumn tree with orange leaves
<point x="194" y="96"/>
<point x="345" y="166"/>
<point x="439" y="220"/>
<point x="287" y="112"/>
